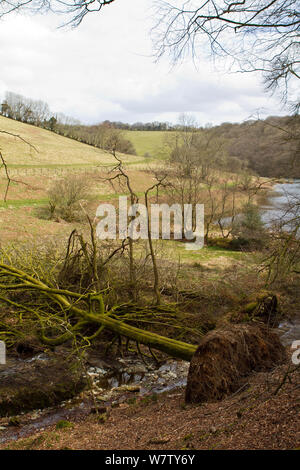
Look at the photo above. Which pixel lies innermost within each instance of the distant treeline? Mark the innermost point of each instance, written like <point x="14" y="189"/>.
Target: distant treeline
<point x="269" y="147"/>
<point x="142" y="126"/>
<point x="37" y="113"/>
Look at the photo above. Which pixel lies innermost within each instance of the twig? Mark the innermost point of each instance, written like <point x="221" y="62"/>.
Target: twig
<point x="286" y="377"/>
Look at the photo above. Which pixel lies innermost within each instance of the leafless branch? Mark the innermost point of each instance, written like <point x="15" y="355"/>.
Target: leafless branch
<point x="4" y="164"/>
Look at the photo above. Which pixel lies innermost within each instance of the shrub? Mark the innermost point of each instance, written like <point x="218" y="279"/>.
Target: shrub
<point x="115" y="140"/>
<point x="248" y="231"/>
<point x="125" y="146"/>
<point x="65" y="196"/>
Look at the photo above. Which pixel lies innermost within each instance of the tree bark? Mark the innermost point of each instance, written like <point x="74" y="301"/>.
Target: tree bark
<point x="174" y="348"/>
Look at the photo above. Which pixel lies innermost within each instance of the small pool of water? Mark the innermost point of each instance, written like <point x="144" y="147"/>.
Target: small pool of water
<point x="289" y="331"/>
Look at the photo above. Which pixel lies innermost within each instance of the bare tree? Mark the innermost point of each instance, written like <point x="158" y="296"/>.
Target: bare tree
<point x="4" y="165"/>
<point x="257" y="35"/>
<point x="24" y="109"/>
<point x="160" y="182"/>
<point x="75" y="9"/>
<point x="119" y="174"/>
<point x="227" y="217"/>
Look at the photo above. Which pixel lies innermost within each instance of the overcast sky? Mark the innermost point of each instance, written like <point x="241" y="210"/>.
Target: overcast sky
<point x="104" y="70"/>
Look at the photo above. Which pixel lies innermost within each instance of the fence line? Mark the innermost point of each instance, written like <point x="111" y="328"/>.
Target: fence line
<point x="15" y="172"/>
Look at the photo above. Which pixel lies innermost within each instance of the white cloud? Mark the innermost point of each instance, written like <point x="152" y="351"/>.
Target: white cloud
<point x="104" y="70"/>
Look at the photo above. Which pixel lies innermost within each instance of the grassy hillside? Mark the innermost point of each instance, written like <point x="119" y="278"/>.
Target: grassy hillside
<point x="151" y="142"/>
<point x="52" y="149"/>
<point x="34" y="172"/>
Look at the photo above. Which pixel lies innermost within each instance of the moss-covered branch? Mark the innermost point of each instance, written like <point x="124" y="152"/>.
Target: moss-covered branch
<point x="71" y="302"/>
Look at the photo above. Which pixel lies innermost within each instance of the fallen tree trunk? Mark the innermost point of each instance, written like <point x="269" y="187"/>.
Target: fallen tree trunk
<point x="174" y="348"/>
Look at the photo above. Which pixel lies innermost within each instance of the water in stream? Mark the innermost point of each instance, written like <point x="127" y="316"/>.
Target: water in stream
<point x="275" y="210"/>
<point x="114" y="383"/>
<point x="277" y="206"/>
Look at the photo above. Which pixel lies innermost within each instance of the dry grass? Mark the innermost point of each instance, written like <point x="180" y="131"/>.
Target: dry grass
<point x="52" y="148"/>
<point x="19" y="216"/>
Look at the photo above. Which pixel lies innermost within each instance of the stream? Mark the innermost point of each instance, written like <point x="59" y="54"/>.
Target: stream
<point x="114" y="383"/>
<point x="275" y="210"/>
<point x="122" y="382"/>
<point x="277" y="206"/>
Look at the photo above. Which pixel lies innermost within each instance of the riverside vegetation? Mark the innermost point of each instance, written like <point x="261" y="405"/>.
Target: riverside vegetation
<point x="68" y="295"/>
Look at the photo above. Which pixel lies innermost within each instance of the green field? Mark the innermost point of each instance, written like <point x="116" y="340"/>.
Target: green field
<point x="151" y="142"/>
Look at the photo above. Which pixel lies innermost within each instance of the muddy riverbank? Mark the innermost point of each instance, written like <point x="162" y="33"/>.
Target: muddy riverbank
<point x="111" y="383"/>
<point x="253" y="418"/>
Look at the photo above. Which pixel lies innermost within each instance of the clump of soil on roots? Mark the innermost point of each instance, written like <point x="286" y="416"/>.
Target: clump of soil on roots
<point x="226" y="356"/>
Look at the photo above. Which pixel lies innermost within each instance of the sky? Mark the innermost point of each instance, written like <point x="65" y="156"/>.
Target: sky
<point x="105" y="69"/>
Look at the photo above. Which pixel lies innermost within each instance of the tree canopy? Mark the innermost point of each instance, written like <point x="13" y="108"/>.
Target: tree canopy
<point x="75" y="9"/>
<point x="255" y="35"/>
